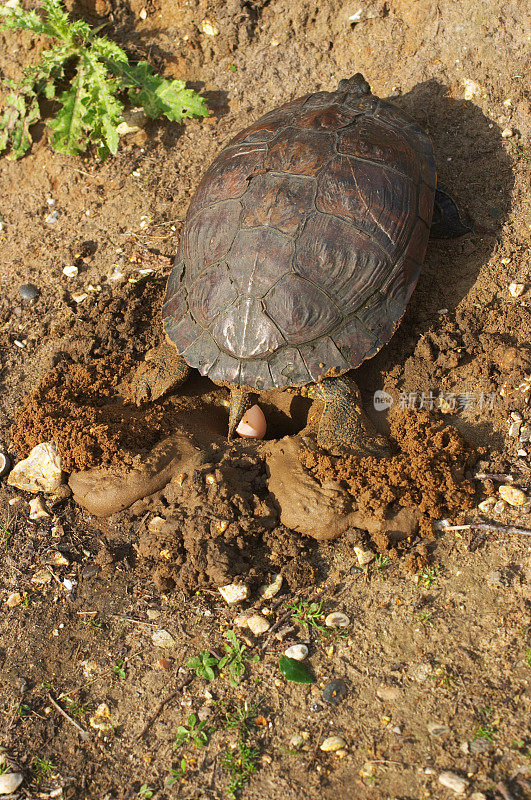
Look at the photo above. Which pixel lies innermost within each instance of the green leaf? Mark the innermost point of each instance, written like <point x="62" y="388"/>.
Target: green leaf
<point x="20" y="112"/>
<point x="69" y="134"/>
<point x="294" y="671"/>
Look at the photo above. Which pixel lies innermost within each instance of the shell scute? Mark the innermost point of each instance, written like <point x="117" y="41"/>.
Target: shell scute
<point x="301" y="310"/>
<point x="258" y="258"/>
<point x="280" y="201"/>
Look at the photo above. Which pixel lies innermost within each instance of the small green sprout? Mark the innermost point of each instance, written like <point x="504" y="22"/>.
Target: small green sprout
<point x="528" y="656"/>
<point x="427" y="577"/>
<point x="196" y="733"/>
<point x="119" y="669"/>
<point x="22" y="710"/>
<point x="177" y="774"/>
<point x="241" y="765"/>
<point x="85" y="75"/>
<point x="146" y="792"/>
<point x="310" y="615"/>
<point x="234" y="659"/>
<point x="242" y="717"/>
<point x="42" y="769"/>
<point x="4" y="768"/>
<point x="485" y="732"/>
<point x="203" y="665"/>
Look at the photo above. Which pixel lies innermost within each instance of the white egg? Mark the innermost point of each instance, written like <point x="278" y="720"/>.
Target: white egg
<point x="253" y="424"/>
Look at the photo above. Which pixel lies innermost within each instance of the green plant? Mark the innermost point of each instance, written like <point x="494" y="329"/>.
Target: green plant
<point x="4" y="768"/>
<point x="241" y="764"/>
<point x="42" y="769"/>
<point x="177" y="774"/>
<point x="528" y="656"/>
<point x="427" y="576"/>
<point x="196" y="732"/>
<point x="84" y="73"/>
<point x="5" y="536"/>
<point x="22" y="710"/>
<point x="92" y="622"/>
<point x="234" y="659"/>
<point x="119" y="670"/>
<point x="425" y="617"/>
<point x="26" y="599"/>
<point x="242" y="717"/>
<point x="145" y="791"/>
<point x="76" y="708"/>
<point x="485" y="732"/>
<point x="309" y="614"/>
<point x="203" y="665"/>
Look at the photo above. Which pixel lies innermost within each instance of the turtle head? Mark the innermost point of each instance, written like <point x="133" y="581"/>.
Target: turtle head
<point x="356" y="85"/>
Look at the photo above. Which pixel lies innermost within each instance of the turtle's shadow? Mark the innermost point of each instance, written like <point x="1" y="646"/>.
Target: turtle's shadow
<point x="475" y="169"/>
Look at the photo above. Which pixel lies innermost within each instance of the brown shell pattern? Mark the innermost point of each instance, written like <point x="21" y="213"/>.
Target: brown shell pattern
<point x="303" y="243"/>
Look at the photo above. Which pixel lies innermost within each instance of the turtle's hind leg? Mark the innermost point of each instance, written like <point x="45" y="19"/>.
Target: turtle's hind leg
<point x="240" y="402"/>
<point x="162" y="369"/>
<point x="344" y="426"/>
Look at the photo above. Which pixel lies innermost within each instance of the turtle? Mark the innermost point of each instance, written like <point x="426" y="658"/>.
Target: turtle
<point x="298" y="255"/>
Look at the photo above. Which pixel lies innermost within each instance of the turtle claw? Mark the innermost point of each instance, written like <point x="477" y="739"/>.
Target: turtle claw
<point x="162" y="369"/>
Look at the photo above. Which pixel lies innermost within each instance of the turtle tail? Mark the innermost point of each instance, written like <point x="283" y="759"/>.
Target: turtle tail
<point x="356" y="85"/>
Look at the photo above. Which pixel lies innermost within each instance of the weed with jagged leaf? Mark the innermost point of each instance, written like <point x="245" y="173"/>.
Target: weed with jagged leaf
<point x="90" y="107"/>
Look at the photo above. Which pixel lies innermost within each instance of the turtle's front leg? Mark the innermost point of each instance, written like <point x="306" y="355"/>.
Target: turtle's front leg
<point x="344" y="426"/>
<point x="162" y="369"/>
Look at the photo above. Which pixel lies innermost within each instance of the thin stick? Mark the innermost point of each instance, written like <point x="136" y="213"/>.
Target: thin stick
<point x="82" y="732"/>
<point x="500" y="477"/>
<point x="486" y="526"/>
<point x="168" y="699"/>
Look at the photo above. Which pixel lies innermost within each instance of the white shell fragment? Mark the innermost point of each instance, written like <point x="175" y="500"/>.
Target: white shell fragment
<point x="296" y="651"/>
<point x="40" y="471"/>
<point x="71" y="271"/>
<point x="337" y="620"/>
<point x="364" y="556"/>
<point x="253" y="424"/>
<point x="5" y="463"/>
<point x="333" y="743"/>
<point x="101" y="719"/>
<point x="234" y="592"/>
<point x="269" y="590"/>
<point x="257" y="624"/>
<point x="453" y="782"/>
<point x="512" y="495"/>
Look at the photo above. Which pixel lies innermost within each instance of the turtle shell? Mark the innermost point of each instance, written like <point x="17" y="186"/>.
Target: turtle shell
<point x="303" y="242"/>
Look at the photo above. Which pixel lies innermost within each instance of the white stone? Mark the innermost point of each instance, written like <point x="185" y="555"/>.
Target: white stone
<point x="40" y="471"/>
<point x="296" y="651"/>
<point x="14" y="600"/>
<point x="41" y="577"/>
<point x="234" y="593"/>
<point x="516" y="289"/>
<point x="209" y="28"/>
<point x="507" y="133"/>
<point x="478" y="796"/>
<point x="512" y="495"/>
<point x="269" y="590"/>
<point x="257" y="624"/>
<point x="9" y="782"/>
<point x="37" y="509"/>
<point x="364" y="556"/>
<point x="472" y="89"/>
<point x="333" y="743"/>
<point x="70" y="271"/>
<point x="453" y="782"/>
<point x="163" y="639"/>
<point x="337" y="620"/>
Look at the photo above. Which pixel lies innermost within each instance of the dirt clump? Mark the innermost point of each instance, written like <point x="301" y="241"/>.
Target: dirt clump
<point x="426" y="474"/>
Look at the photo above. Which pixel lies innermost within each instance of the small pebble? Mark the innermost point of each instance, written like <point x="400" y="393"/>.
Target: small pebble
<point x="296" y="740"/>
<point x="364" y="556"/>
<point x="142" y="13"/>
<point x="478" y="796"/>
<point x="234" y="593"/>
<point x="333" y="743"/>
<point x="296" y="651"/>
<point x="388" y="693"/>
<point x="516" y="289"/>
<point x="57" y="559"/>
<point x="163" y="639"/>
<point x="512" y="495"/>
<point x="152" y="613"/>
<point x="37" y="509"/>
<point x="52" y="217"/>
<point x="41" y="577"/>
<point x="28" y="291"/>
<point x="40" y="471"/>
<point x="337" y="620"/>
<point x="78" y="297"/>
<point x="436" y="729"/>
<point x="335" y="691"/>
<point x="209" y="28"/>
<point x="525" y="434"/>
<point x="521" y="452"/>
<point x="480" y="747"/>
<point x="507" y="133"/>
<point x="5" y="464"/>
<point x="163" y="663"/>
<point x="71" y="271"/>
<point x="9" y="782"/>
<point x="514" y="429"/>
<point x="101" y="719"/>
<point x="453" y="782"/>
<point x="257" y="624"/>
<point x="269" y="590"/>
<point x="14" y="600"/>
<point x="500" y="507"/>
<point x="487" y="505"/>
